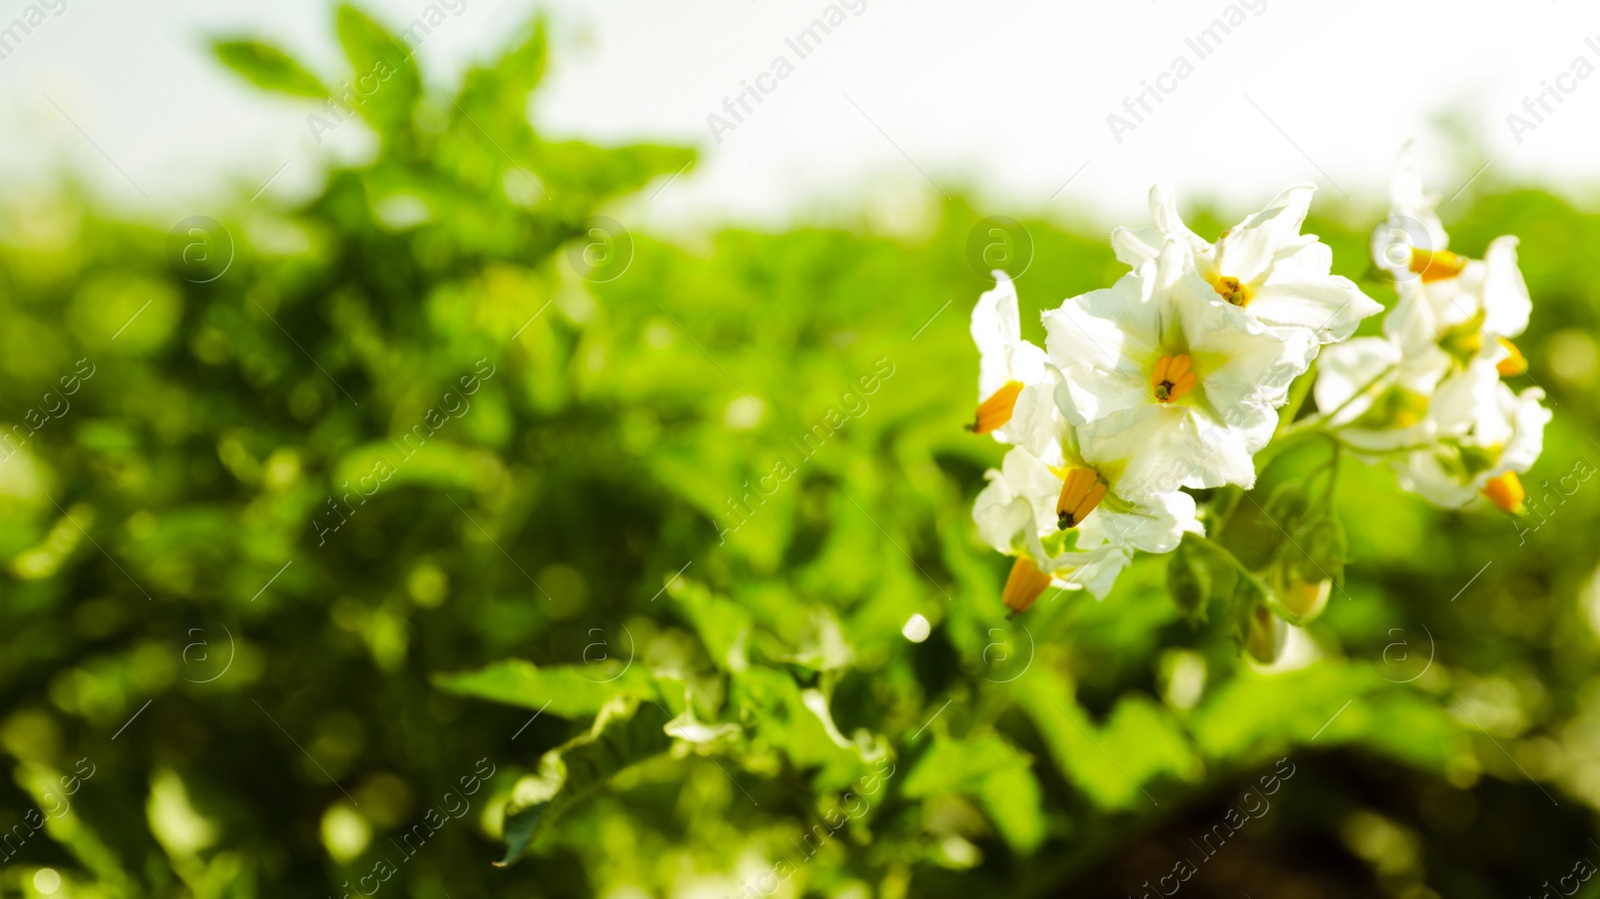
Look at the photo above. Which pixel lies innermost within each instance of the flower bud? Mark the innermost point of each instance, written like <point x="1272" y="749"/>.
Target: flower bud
<point x="1267" y="635"/>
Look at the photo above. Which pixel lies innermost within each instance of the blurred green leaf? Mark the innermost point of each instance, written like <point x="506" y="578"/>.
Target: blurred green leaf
<point x="566" y="691"/>
<point x="625" y="733"/>
<point x="991" y="770"/>
<point x="268" y="67"/>
<point x="385" y="85"/>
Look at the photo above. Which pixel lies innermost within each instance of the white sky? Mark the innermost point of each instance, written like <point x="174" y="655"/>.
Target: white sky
<point x="1007" y="97"/>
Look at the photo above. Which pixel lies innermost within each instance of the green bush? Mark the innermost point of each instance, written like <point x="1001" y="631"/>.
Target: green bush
<point x="441" y="435"/>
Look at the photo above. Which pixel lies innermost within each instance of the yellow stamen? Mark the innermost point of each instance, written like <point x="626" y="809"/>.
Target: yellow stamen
<point x="1514" y="364"/>
<point x="1081" y="491"/>
<point x="1436" y="266"/>
<point x="1506" y="492"/>
<point x="1024" y="585"/>
<point x="1231" y="290"/>
<point x="1172" y="378"/>
<point x="996" y="410"/>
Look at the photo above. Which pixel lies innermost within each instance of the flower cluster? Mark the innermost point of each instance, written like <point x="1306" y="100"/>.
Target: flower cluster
<point x="1177" y="376"/>
<point x="1428" y="397"/>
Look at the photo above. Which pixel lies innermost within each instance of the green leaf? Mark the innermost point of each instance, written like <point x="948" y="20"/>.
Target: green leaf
<point x="723" y="625"/>
<point x="1138" y="744"/>
<point x="566" y="691"/>
<point x="499" y="91"/>
<point x="625" y="733"/>
<point x="267" y="67"/>
<point x="799" y="724"/>
<point x="991" y="770"/>
<point x="385" y="85"/>
<point x="1011" y="797"/>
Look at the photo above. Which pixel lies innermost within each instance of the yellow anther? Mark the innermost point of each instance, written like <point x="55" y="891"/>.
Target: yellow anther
<point x="1081" y="491"/>
<point x="1436" y="266"/>
<point x="1172" y="378"/>
<point x="1231" y="290"/>
<point x="996" y="410"/>
<point x="1024" y="585"/>
<point x="1506" y="492"/>
<point x="1514" y="364"/>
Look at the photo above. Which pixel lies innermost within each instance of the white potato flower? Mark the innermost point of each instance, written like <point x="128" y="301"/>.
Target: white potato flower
<point x="1377" y="395"/>
<point x="1006" y="362"/>
<point x="1263" y="265"/>
<point x="1153" y="363"/>
<point x="1015" y="514"/>
<point x="1470" y="308"/>
<point x="1450" y="433"/>
<point x="1494" y="434"/>
<point x="1089" y="478"/>
<point x="1409" y="202"/>
<point x="1470" y="315"/>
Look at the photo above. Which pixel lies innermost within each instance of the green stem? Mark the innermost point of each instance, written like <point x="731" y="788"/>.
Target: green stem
<point x="1333" y="470"/>
<point x="1233" y="560"/>
<point x="1297" y="434"/>
<point x="1321" y="418"/>
<point x="1298" y="391"/>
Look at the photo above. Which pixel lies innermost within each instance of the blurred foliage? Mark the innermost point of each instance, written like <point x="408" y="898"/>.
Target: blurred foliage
<point x="439" y="436"/>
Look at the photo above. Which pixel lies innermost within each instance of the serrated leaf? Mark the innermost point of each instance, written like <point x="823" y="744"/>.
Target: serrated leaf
<point x="799" y="724"/>
<point x="270" y="68"/>
<point x="566" y="691"/>
<point x="626" y="732"/>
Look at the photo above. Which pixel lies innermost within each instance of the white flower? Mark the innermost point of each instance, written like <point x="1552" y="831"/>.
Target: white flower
<point x="1263" y="265"/>
<point x="1409" y="203"/>
<point x="1015" y="514"/>
<point x="1470" y="315"/>
<point x="1468" y="307"/>
<point x="1090" y="477"/>
<point x="1492" y="434"/>
<point x="1152" y="362"/>
<point x="1006" y="362"/>
<point x="1377" y="395"/>
<point x="1059" y="508"/>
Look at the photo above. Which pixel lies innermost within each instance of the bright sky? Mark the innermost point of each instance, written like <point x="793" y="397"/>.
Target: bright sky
<point x="1006" y="97"/>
